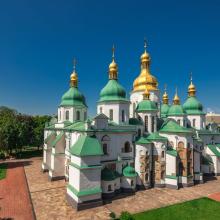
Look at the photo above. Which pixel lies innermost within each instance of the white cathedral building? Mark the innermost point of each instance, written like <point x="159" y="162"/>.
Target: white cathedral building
<point x="131" y="144"/>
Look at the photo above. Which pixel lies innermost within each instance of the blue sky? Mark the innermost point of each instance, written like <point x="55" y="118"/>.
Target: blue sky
<point x="38" y="40"/>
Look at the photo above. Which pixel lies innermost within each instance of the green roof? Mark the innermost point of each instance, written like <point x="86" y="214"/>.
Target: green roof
<point x="193" y="107"/>
<point x="171" y="152"/>
<point x="49" y="136"/>
<point x="77" y="126"/>
<point x="214" y="149"/>
<point x="129" y="171"/>
<point x="86" y="146"/>
<point x="73" y="97"/>
<point x="113" y="91"/>
<point x="143" y="140"/>
<point x="86" y="167"/>
<point x="171" y="126"/>
<point x="135" y="121"/>
<point x="57" y="139"/>
<point x="164" y="110"/>
<point x="85" y="192"/>
<point x="208" y="132"/>
<point x="109" y="175"/>
<point x="156" y="136"/>
<point x="176" y="110"/>
<point x="146" y="105"/>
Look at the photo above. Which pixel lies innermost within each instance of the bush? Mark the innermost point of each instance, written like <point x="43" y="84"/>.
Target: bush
<point x="112" y="215"/>
<point x="126" y="216"/>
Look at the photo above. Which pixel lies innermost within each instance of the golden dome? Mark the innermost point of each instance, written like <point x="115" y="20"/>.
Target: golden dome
<point x="176" y="99"/>
<point x="165" y="96"/>
<point x="74" y="76"/>
<point x="146" y="94"/>
<point x="145" y="79"/>
<point x="191" y="88"/>
<point x="113" y="67"/>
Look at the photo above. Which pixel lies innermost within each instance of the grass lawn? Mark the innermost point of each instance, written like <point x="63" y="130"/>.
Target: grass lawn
<point x="3" y="170"/>
<point x="197" y="209"/>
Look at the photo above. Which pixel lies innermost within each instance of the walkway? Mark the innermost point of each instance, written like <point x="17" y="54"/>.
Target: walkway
<point x="50" y="203"/>
<point x="15" y="200"/>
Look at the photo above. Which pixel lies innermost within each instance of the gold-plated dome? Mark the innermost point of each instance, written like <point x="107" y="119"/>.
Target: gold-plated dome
<point x="113" y="67"/>
<point x="165" y="96"/>
<point x="145" y="79"/>
<point x="146" y="94"/>
<point x="74" y="76"/>
<point x="191" y="88"/>
<point x="176" y="99"/>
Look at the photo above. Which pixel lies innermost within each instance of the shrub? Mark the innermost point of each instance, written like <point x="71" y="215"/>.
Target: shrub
<point x="112" y="215"/>
<point x="126" y="216"/>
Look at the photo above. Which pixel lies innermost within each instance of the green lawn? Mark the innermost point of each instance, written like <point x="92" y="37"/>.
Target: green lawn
<point x="3" y="170"/>
<point x="198" y="209"/>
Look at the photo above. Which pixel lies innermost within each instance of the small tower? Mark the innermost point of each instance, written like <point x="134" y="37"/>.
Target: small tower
<point x="165" y="105"/>
<point x="144" y="81"/>
<point x="73" y="105"/>
<point x="176" y="110"/>
<point x="193" y="108"/>
<point x="147" y="110"/>
<point x="113" y="102"/>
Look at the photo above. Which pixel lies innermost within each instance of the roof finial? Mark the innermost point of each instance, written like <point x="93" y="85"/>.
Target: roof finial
<point x="145" y="44"/>
<point x="113" y="52"/>
<point x="176" y="99"/>
<point x="165" y="95"/>
<point x="191" y="78"/>
<point x="74" y="64"/>
<point x="165" y="87"/>
<point x="191" y="88"/>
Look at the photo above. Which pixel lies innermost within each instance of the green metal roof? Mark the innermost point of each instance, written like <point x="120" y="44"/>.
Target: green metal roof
<point x="171" y="126"/>
<point x="57" y="139"/>
<point x="109" y="175"/>
<point x="73" y="97"/>
<point x="113" y="91"/>
<point x="171" y="152"/>
<point x="143" y="140"/>
<point x="164" y="110"/>
<point x="176" y="110"/>
<point x="129" y="171"/>
<point x="193" y="107"/>
<point x="156" y="136"/>
<point x="86" y="146"/>
<point x="77" y="126"/>
<point x="146" y="105"/>
<point x="135" y="121"/>
<point x="214" y="149"/>
<point x="85" y="192"/>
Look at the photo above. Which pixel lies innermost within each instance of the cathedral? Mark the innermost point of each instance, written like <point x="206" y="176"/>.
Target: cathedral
<point x="132" y="143"/>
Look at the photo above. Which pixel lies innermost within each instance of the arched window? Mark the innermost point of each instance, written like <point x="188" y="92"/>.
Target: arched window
<point x="109" y="188"/>
<point x="111" y="114"/>
<point x="123" y="115"/>
<point x="152" y="123"/>
<point x="67" y="115"/>
<point x="146" y="123"/>
<point x="127" y="147"/>
<point x="132" y="182"/>
<point x="146" y="177"/>
<point x="139" y="132"/>
<point x="105" y="148"/>
<point x="194" y="122"/>
<point x="178" y="121"/>
<point x="162" y="175"/>
<point x="100" y="110"/>
<point x="77" y="115"/>
<point x="162" y="154"/>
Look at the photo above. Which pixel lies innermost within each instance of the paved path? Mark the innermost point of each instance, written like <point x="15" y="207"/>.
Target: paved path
<point x="215" y="196"/>
<point x="15" y="200"/>
<point x="50" y="203"/>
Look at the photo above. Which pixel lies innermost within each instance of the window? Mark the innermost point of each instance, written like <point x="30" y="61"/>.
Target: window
<point x="127" y="147"/>
<point x="132" y="182"/>
<point x="162" y="154"/>
<point x="109" y="188"/>
<point x="111" y="114"/>
<point x="194" y="122"/>
<point x="77" y="115"/>
<point x="188" y="168"/>
<point x="178" y="121"/>
<point x="162" y="175"/>
<point x="123" y="115"/>
<point x="152" y="124"/>
<point x="146" y="177"/>
<point x="60" y="115"/>
<point x="67" y="115"/>
<point x="146" y="123"/>
<point x="100" y="110"/>
<point x="105" y="148"/>
<point x="139" y="132"/>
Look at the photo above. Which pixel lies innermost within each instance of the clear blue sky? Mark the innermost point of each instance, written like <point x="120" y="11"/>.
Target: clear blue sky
<point x="38" y="40"/>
